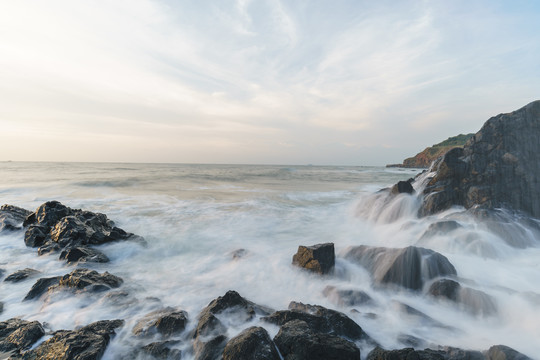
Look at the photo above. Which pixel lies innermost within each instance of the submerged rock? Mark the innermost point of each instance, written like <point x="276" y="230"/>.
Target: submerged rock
<point x="402" y="187"/>
<point x="318" y="258"/>
<point x="12" y="217"/>
<point x="408" y="267"/>
<point x="440" y="228"/>
<point x="87" y="343"/>
<point x="166" y="322"/>
<point x="253" y="343"/>
<point x="42" y="286"/>
<point x="502" y="352"/>
<point x="472" y="300"/>
<point x="21" y="275"/>
<point x="498" y="167"/>
<point x="343" y="297"/>
<point x="17" y="335"/>
<point x="162" y="350"/>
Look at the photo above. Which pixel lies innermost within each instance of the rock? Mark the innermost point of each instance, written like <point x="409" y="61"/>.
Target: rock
<point x="502" y="352"/>
<point x="166" y="322"/>
<point x="233" y="302"/>
<point x="445" y="353"/>
<point x="17" y="335"/>
<point x="297" y="341"/>
<point x="472" y="300"/>
<point x="90" y="281"/>
<point x="347" y="297"/>
<point x="210" y="348"/>
<point x="162" y="350"/>
<point x="21" y="275"/>
<point x="441" y="228"/>
<point x="83" y="254"/>
<point x="253" y="343"/>
<point x="239" y="254"/>
<point x="408" y="267"/>
<point x="42" y="286"/>
<point x="318" y="258"/>
<point x="12" y="217"/>
<point x="445" y="288"/>
<point x="319" y="320"/>
<point x="403" y="187"/>
<point x="497" y="168"/>
<point x="35" y="235"/>
<point x="417" y="315"/>
<point x="87" y="343"/>
<point x="1" y="307"/>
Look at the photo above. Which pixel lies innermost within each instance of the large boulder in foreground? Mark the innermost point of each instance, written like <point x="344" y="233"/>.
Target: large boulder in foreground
<point x="17" y="335"/>
<point x="498" y="167"/>
<point x="318" y="258"/>
<point x="408" y="267"/>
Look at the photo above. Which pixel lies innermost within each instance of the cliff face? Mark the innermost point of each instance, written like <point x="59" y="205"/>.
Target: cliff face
<point x="498" y="167"/>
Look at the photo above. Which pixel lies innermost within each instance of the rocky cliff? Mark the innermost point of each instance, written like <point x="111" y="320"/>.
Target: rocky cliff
<point x="498" y="167"/>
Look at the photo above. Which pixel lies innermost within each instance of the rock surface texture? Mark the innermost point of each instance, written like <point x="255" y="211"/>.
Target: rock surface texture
<point x="318" y="258"/>
<point x="12" y="217"/>
<point x="497" y="167"/>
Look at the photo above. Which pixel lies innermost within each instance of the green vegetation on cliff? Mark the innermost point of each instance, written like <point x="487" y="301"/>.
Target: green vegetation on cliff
<point x="426" y="157"/>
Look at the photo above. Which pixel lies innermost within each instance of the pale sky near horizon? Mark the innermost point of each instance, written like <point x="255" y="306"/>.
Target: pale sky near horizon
<point x="343" y="82"/>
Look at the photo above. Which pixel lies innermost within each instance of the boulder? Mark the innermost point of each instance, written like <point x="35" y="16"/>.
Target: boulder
<point x="297" y="341"/>
<point x="12" y="217"/>
<point x="253" y="343"/>
<point x="408" y="267"/>
<point x="497" y="167"/>
<point x="162" y="350"/>
<point x="444" y="353"/>
<point x="472" y="300"/>
<point x="502" y="352"/>
<point x="87" y="343"/>
<point x="42" y="286"/>
<point x="342" y="297"/>
<point x="89" y="281"/>
<point x="83" y="254"/>
<point x="441" y="228"/>
<point x="167" y="322"/>
<point x="318" y="258"/>
<point x="21" y="275"/>
<point x="17" y="335"/>
<point x="403" y="187"/>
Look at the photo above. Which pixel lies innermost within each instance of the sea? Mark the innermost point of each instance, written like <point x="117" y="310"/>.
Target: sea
<point x="214" y="228"/>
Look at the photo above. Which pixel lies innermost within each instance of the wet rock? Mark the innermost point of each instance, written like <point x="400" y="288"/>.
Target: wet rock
<point x="90" y="281"/>
<point x="403" y="187"/>
<point x="472" y="300"/>
<point x="297" y="341"/>
<point x="87" y="343"/>
<point x="445" y="288"/>
<point x="408" y="267"/>
<point x="319" y="320"/>
<point x="445" y="353"/>
<point x="1" y="307"/>
<point x="239" y="254"/>
<point x="417" y="315"/>
<point x="210" y="348"/>
<point x="411" y="341"/>
<point x="441" y="228"/>
<point x="12" y="217"/>
<point x="502" y="352"/>
<point x="17" y="335"/>
<point x="318" y="258"/>
<point x="498" y="167"/>
<point x="21" y="275"/>
<point x="35" y="236"/>
<point x="253" y="343"/>
<point x="232" y="302"/>
<point x="83" y="254"/>
<point x="166" y="322"/>
<point x="42" y="286"/>
<point x="347" y="297"/>
<point x="162" y="350"/>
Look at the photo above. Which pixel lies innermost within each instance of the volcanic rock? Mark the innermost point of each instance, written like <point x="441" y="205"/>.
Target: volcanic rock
<point x="408" y="267"/>
<point x="12" y="217"/>
<point x="253" y="343"/>
<point x="318" y="258"/>
<point x="21" y="275"/>
<point x="17" y="335"/>
<point x="166" y="322"/>
<point x="42" y="286"/>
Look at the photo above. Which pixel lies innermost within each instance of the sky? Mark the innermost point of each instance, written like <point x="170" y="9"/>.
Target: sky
<point x="343" y="82"/>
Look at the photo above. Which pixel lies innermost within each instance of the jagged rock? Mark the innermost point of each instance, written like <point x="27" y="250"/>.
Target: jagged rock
<point x="297" y="341"/>
<point x="474" y="301"/>
<point x="12" y="217"/>
<point x="166" y="322"/>
<point x="347" y="297"/>
<point x="318" y="258"/>
<point x="90" y="280"/>
<point x="498" y="167"/>
<point x="17" y="335"/>
<point x="21" y="275"/>
<point x="35" y="235"/>
<point x="408" y="267"/>
<point x="441" y="228"/>
<point x="42" y="286"/>
<point x="502" y="352"/>
<point x="402" y="187"/>
<point x="83" y="254"/>
<point x="233" y="302"/>
<point x="445" y="353"/>
<point x="162" y="350"/>
<point x="253" y="343"/>
<point x="87" y="343"/>
<point x="320" y="320"/>
<point x="416" y="314"/>
<point x="210" y="348"/>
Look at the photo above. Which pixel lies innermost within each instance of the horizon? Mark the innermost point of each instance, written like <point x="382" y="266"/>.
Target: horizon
<point x="258" y="82"/>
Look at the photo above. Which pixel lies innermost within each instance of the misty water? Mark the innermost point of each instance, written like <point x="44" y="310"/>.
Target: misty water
<point x="194" y="217"/>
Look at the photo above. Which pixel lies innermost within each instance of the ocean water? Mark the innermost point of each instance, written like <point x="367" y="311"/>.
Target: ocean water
<point x="194" y="217"/>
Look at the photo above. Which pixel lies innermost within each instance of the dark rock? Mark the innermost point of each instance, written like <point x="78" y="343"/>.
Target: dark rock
<point x="239" y="254"/>
<point x="83" y="254"/>
<point x="318" y="258"/>
<point x="320" y="320"/>
<point x="502" y="352"/>
<point x="12" y="217"/>
<point x="166" y="322"/>
<point x="1" y="307"/>
<point x="162" y="350"/>
<point x="297" y="341"/>
<point x="233" y="302"/>
<point x="253" y="343"/>
<point x="402" y="187"/>
<point x="408" y="267"/>
<point x="42" y="286"/>
<point x="48" y="214"/>
<point x="21" y="275"/>
<point x="209" y="349"/>
<point x="87" y="343"/>
<point x="498" y="167"/>
<point x="445" y="288"/>
<point x="472" y="300"/>
<point x="411" y="341"/>
<point x="90" y="281"/>
<point x="18" y="335"/>
<point x="445" y="353"/>
<point x="441" y="228"/>
<point x="35" y="236"/>
<point x="347" y="297"/>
